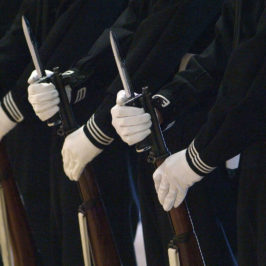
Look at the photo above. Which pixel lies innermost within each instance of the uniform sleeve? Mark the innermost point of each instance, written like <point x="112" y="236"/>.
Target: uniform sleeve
<point x="99" y="65"/>
<point x="17" y="94"/>
<point x="237" y="119"/>
<point x="155" y="52"/>
<point x="197" y="86"/>
<point x="99" y="61"/>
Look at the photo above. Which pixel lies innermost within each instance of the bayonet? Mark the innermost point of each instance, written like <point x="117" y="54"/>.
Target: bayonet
<point x="120" y="63"/>
<point x="31" y="42"/>
<point x="32" y="45"/>
<point x="127" y="84"/>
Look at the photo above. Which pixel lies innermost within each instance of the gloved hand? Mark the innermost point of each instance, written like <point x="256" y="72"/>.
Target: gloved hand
<point x="5" y="123"/>
<point x="173" y="179"/>
<point x="132" y="124"/>
<point x="43" y="97"/>
<point x="77" y="151"/>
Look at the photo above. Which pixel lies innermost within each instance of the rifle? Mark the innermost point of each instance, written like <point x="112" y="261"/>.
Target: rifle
<point x="96" y="235"/>
<point x="184" y="248"/>
<point x="19" y="247"/>
<point x="93" y="219"/>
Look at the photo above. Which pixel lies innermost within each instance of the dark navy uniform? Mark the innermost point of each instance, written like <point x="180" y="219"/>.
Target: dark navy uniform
<point x="64" y="30"/>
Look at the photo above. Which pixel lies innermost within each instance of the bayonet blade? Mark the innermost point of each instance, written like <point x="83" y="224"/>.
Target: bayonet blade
<point x="32" y="47"/>
<point x="120" y="63"/>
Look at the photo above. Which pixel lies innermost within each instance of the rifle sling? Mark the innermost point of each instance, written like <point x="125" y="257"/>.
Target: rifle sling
<point x="179" y="239"/>
<point x="89" y="204"/>
<point x="182" y="238"/>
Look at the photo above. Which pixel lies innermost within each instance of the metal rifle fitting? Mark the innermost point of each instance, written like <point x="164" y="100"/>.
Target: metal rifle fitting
<point x="159" y="149"/>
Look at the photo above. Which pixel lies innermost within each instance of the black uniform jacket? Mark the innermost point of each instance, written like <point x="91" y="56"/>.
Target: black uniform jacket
<point x="71" y="36"/>
<point x="238" y="117"/>
<point x="154" y="36"/>
<point x="236" y="76"/>
<point x="64" y="32"/>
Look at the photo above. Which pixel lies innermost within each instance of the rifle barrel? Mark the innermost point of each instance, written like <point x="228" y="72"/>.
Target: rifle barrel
<point x="102" y="244"/>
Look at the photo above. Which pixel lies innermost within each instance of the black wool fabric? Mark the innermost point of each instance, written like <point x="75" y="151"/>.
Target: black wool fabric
<point x="244" y="130"/>
<point x="160" y="31"/>
<point x="238" y="116"/>
<point x="154" y="36"/>
<point x="199" y="84"/>
<point x="9" y="10"/>
<point x="251" y="211"/>
<point x="236" y="122"/>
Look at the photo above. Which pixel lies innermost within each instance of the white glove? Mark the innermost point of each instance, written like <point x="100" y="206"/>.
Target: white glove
<point x="77" y="151"/>
<point x="5" y="123"/>
<point x="35" y="77"/>
<point x="132" y="124"/>
<point x="173" y="179"/>
<point x="43" y="97"/>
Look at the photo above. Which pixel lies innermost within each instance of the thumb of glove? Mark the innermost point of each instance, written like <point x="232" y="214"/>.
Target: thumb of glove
<point x="34" y="76"/>
<point x="121" y="98"/>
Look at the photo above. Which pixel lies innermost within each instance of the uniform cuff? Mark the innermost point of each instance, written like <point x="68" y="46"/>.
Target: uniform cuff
<point x="75" y="84"/>
<point x="196" y="163"/>
<point x="80" y="94"/>
<point x="11" y="109"/>
<point x="96" y="135"/>
<point x="6" y="123"/>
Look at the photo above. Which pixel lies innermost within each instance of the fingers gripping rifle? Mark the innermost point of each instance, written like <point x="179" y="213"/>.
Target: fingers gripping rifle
<point x="144" y="145"/>
<point x="96" y="233"/>
<point x="16" y="240"/>
<point x="183" y="248"/>
<point x="33" y="49"/>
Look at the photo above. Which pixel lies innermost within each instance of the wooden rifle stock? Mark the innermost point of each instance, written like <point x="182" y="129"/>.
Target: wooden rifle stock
<point x="100" y="234"/>
<point x="101" y="240"/>
<point x="22" y="243"/>
<point x="185" y="240"/>
<point x="180" y="217"/>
